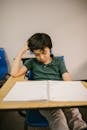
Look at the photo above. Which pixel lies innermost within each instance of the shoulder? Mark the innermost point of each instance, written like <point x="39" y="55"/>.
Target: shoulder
<point x="30" y="60"/>
<point x="29" y="63"/>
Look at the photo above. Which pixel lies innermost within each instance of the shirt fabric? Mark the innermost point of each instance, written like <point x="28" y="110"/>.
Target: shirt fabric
<point x="51" y="71"/>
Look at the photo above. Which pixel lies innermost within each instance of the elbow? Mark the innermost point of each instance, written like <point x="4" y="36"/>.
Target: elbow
<point x="16" y="74"/>
<point x="13" y="74"/>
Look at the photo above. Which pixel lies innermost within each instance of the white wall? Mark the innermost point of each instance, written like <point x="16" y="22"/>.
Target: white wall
<point x="64" y="20"/>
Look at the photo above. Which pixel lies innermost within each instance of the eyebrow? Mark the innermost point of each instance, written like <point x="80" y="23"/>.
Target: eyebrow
<point x="36" y="53"/>
<point x="40" y="51"/>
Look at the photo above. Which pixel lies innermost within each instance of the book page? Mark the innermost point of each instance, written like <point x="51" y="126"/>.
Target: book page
<point x="67" y="91"/>
<point x="27" y="91"/>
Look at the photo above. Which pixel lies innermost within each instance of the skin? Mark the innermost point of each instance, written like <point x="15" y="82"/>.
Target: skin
<point x="41" y="55"/>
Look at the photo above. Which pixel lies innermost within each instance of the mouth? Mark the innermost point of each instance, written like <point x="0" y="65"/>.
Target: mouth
<point x="43" y="61"/>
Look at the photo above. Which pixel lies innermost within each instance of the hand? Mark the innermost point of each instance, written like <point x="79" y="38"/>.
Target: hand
<point x="24" y="49"/>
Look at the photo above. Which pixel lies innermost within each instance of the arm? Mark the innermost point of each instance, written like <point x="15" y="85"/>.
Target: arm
<point x="63" y="71"/>
<point x="17" y="69"/>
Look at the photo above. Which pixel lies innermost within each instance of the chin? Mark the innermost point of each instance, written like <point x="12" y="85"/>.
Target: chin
<point x="43" y="62"/>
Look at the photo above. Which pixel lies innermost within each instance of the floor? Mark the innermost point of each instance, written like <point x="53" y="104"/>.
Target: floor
<point x="11" y="120"/>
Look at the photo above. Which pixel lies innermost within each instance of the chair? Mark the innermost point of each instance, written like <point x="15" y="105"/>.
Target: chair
<point x="3" y="67"/>
<point x="33" y="118"/>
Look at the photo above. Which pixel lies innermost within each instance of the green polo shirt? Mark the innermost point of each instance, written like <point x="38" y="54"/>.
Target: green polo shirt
<point x="51" y="71"/>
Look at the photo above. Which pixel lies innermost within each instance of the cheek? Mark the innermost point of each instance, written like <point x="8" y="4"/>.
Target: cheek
<point x="48" y="54"/>
<point x="46" y="57"/>
<point x="38" y="58"/>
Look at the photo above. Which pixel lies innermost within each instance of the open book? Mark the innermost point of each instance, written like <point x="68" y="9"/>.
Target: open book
<point x="47" y="90"/>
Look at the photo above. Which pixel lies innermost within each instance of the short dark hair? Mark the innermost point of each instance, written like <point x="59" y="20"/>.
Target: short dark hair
<point x="39" y="41"/>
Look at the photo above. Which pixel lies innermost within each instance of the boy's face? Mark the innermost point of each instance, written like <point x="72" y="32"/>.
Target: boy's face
<point x="43" y="55"/>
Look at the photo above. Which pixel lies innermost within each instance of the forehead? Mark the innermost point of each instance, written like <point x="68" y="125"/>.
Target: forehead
<point x="38" y="51"/>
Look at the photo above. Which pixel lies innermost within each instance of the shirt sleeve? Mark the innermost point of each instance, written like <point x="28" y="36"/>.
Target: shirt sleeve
<point x="28" y="64"/>
<point x="62" y="67"/>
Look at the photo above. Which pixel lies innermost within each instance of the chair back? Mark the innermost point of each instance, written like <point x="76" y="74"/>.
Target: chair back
<point x="3" y="64"/>
<point x="35" y="119"/>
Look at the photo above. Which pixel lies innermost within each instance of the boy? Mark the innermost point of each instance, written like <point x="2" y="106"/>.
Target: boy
<point x="47" y="67"/>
